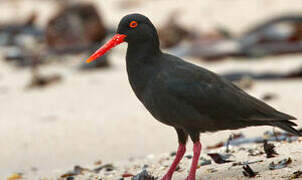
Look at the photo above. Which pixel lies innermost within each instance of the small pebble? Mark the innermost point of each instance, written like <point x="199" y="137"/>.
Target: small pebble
<point x="70" y="178"/>
<point x="97" y="163"/>
<point x="127" y="175"/>
<point x="15" y="176"/>
<point x="211" y="170"/>
<point x="205" y="162"/>
<point x="296" y="175"/>
<point x="189" y="156"/>
<point x="172" y="153"/>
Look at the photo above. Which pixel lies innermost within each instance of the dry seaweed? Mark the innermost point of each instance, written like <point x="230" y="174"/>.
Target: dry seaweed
<point x="296" y="175"/>
<point x="246" y="163"/>
<point x="220" y="159"/>
<point x="268" y="135"/>
<point x="281" y="164"/>
<point x="107" y="167"/>
<point x="218" y="145"/>
<point x="254" y="152"/>
<point x="77" y="170"/>
<point x="248" y="172"/>
<point x="269" y="150"/>
<point x="232" y="137"/>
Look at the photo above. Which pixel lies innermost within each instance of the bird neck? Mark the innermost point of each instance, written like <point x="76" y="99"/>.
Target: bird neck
<point x="142" y="64"/>
<point x="142" y="55"/>
<point x="147" y="48"/>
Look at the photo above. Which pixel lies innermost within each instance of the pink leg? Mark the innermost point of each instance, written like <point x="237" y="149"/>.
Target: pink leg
<point x="196" y="150"/>
<point x="179" y="154"/>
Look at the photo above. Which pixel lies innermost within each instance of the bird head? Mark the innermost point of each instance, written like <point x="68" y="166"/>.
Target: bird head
<point x="133" y="29"/>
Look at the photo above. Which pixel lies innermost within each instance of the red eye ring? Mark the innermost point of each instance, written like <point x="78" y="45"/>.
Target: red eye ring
<point x="133" y="24"/>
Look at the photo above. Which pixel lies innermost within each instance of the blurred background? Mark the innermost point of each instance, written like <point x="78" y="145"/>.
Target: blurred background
<point x="57" y="111"/>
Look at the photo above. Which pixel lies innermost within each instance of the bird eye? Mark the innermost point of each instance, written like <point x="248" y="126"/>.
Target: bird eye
<point x="133" y="24"/>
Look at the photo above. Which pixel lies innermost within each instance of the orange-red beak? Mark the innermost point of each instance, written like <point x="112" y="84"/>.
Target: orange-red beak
<point x="115" y="40"/>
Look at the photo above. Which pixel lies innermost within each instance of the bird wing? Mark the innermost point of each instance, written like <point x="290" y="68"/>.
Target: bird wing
<point x="215" y="96"/>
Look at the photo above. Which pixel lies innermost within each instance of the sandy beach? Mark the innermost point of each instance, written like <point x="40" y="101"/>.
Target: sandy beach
<point x="92" y="116"/>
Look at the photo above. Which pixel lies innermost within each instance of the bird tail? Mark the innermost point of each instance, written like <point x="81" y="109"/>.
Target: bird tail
<point x="287" y="126"/>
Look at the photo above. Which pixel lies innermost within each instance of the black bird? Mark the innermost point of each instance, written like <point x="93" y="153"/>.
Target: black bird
<point x="185" y="96"/>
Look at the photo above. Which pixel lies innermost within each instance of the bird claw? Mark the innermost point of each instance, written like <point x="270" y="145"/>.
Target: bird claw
<point x="190" y="178"/>
<point x="166" y="177"/>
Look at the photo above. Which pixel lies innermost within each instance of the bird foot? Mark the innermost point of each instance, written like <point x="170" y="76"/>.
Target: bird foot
<point x="179" y="154"/>
<point x="167" y="177"/>
<point x="190" y="178"/>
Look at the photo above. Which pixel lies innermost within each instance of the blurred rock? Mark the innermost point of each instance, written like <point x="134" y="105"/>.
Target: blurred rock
<point x="75" y="28"/>
<point x="14" y="53"/>
<point x="172" y="33"/>
<point x="144" y="175"/>
<point x="281" y="28"/>
<point x="247" y="76"/>
<point x="23" y="57"/>
<point x="276" y="36"/>
<point x="23" y="42"/>
<point x="18" y="34"/>
<point x="39" y="81"/>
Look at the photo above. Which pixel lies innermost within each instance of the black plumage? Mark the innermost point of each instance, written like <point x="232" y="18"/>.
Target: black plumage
<point x="188" y="97"/>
